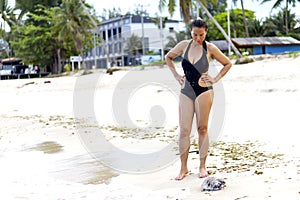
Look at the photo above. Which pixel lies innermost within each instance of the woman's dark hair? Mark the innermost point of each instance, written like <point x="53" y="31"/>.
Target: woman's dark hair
<point x="199" y="23"/>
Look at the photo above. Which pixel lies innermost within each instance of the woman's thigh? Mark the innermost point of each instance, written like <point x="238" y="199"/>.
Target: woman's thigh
<point x="203" y="104"/>
<point x="186" y="112"/>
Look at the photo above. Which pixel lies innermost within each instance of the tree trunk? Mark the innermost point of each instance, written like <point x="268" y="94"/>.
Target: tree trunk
<point x="59" y="68"/>
<point x="245" y="21"/>
<point x="54" y="68"/>
<point x="221" y="29"/>
<point x="83" y="64"/>
<point x="286" y="18"/>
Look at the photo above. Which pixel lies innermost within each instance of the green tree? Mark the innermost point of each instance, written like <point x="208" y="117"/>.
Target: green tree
<point x="134" y="46"/>
<point x="236" y="24"/>
<point x="7" y="13"/>
<point x="72" y="18"/>
<point x="256" y="28"/>
<point x="186" y="6"/>
<point x="172" y="41"/>
<point x="4" y="48"/>
<point x="9" y="18"/>
<point x="274" y="24"/>
<point x="244" y="17"/>
<point x="49" y="35"/>
<point x="13" y="20"/>
<point x="156" y="21"/>
<point x="27" y="6"/>
<point x="213" y="7"/>
<point x="287" y="3"/>
<point x="34" y="44"/>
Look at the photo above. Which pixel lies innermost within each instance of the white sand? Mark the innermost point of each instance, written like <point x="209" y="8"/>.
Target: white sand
<point x="43" y="157"/>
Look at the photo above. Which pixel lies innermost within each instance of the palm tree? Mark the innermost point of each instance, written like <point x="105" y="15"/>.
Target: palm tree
<point x="26" y="6"/>
<point x="134" y="47"/>
<point x="8" y="15"/>
<point x="257" y="29"/>
<point x="244" y="17"/>
<point x="73" y="18"/>
<point x="179" y="36"/>
<point x="186" y="6"/>
<point x="273" y="24"/>
<point x="156" y="21"/>
<point x="287" y="2"/>
<point x="9" y="18"/>
<point x="6" y="12"/>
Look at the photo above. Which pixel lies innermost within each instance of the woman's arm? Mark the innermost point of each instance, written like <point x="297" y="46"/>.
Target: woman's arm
<point x="221" y="58"/>
<point x="173" y="53"/>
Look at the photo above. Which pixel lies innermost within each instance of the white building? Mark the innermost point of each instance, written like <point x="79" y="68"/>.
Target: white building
<point x="116" y="32"/>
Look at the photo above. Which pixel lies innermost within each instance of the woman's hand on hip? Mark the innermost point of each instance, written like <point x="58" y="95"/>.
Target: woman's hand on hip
<point x="206" y="80"/>
<point x="180" y="79"/>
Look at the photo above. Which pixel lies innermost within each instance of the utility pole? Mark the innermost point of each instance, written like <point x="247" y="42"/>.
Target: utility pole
<point x="161" y="38"/>
<point x="107" y="49"/>
<point x="161" y="33"/>
<point x="142" y="12"/>
<point x="122" y="41"/>
<point x="228" y="25"/>
<point x="95" y="59"/>
<point x="142" y="20"/>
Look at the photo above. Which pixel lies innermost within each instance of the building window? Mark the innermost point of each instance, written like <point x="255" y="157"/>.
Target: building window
<point x="171" y="29"/>
<point x="109" y="33"/>
<point x="114" y="31"/>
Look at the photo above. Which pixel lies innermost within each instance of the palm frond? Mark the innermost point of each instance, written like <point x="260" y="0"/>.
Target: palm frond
<point x="171" y="7"/>
<point x="185" y="8"/>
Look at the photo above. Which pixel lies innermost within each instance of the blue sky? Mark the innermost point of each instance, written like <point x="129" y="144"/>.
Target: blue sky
<point x="261" y="10"/>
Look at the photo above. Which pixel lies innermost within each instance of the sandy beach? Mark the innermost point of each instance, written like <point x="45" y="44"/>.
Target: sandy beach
<point x="101" y="136"/>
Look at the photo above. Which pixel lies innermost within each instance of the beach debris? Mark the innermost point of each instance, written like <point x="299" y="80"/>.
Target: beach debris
<point x="244" y="60"/>
<point x="194" y="151"/>
<point x="29" y="83"/>
<point x="164" y="134"/>
<point x="241" y="198"/>
<point x="212" y="184"/>
<point x="48" y="147"/>
<point x="258" y="172"/>
<point x="241" y="157"/>
<point x="111" y="70"/>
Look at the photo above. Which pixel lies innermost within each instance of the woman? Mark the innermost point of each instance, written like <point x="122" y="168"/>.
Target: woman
<point x="196" y="90"/>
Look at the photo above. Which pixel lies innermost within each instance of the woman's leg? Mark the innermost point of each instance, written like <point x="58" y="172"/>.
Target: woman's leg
<point x="203" y="105"/>
<point x="186" y="113"/>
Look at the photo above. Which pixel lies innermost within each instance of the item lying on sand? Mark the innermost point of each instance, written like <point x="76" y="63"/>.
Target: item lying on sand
<point x="212" y="184"/>
<point x="113" y="69"/>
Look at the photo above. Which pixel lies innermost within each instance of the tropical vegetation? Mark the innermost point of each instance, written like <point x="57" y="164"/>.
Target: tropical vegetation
<point x="186" y="6"/>
<point x="47" y="33"/>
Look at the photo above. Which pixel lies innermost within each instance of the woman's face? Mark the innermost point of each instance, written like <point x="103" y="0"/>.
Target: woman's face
<point x="198" y="34"/>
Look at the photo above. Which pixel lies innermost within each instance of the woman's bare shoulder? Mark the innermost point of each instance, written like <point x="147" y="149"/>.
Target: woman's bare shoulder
<point x="210" y="46"/>
<point x="180" y="47"/>
<point x="183" y="43"/>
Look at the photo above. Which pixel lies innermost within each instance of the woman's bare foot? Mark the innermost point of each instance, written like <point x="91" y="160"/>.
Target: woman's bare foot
<point x="202" y="172"/>
<point x="182" y="174"/>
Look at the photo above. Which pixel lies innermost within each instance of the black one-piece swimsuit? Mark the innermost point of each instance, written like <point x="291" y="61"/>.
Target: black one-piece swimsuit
<point x="193" y="72"/>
